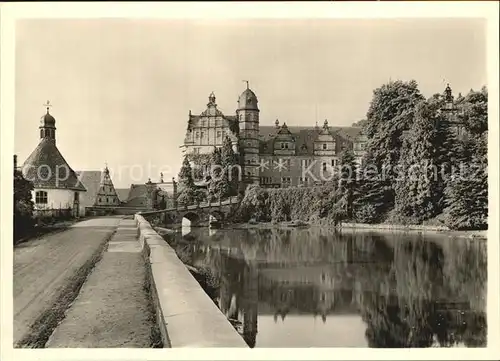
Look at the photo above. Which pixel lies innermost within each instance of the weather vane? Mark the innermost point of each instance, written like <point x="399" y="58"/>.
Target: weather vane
<point x="246" y="81"/>
<point x="47" y="105"/>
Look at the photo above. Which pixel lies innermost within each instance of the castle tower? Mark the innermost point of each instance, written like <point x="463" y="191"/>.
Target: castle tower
<point x="450" y="111"/>
<point x="248" y="119"/>
<point x="48" y="125"/>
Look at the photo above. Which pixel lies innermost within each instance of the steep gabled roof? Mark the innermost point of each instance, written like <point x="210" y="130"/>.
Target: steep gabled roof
<point x="304" y="137"/>
<point x="137" y="196"/>
<point x="91" y="179"/>
<point x="122" y="194"/>
<point x="47" y="168"/>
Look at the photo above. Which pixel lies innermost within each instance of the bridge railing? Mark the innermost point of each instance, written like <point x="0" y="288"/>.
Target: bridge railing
<point x="200" y="205"/>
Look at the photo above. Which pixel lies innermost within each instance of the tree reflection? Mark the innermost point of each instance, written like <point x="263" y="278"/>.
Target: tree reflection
<point x="410" y="290"/>
<point x="425" y="304"/>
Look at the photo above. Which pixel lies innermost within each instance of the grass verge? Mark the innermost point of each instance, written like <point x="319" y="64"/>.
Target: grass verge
<point x="46" y="323"/>
<point x="155" y="337"/>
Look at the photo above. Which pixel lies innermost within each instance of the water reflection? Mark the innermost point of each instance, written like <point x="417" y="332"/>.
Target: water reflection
<point x="313" y="287"/>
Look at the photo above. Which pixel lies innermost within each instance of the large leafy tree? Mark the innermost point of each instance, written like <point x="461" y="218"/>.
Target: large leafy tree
<point x="219" y="183"/>
<point x="467" y="190"/>
<point x="188" y="194"/>
<point x="372" y="193"/>
<point x="23" y="205"/>
<point x="420" y="184"/>
<point x="391" y="112"/>
<point x="347" y="181"/>
<point x="229" y="162"/>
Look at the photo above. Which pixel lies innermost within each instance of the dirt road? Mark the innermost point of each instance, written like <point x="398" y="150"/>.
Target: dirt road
<point x="43" y="267"/>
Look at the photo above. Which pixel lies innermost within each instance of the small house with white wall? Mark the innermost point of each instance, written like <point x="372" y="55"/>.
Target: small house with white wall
<point x="56" y="185"/>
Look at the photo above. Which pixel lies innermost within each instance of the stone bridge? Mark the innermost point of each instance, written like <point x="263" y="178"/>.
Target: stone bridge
<point x="201" y="214"/>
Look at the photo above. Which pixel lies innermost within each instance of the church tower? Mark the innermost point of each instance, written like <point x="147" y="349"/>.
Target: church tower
<point x="248" y="119"/>
<point x="48" y="125"/>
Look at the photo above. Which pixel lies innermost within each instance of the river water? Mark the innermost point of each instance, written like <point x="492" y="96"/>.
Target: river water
<point x="320" y="288"/>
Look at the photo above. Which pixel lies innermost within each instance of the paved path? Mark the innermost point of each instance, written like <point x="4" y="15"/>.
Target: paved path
<point x="42" y="267"/>
<point x="112" y="308"/>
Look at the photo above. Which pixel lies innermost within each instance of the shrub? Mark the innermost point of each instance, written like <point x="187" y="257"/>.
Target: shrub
<point x="288" y="204"/>
<point x="366" y="213"/>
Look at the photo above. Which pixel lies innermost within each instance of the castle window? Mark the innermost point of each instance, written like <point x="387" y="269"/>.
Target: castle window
<point x="334" y="162"/>
<point x="324" y="146"/>
<point x="218" y="134"/>
<point x="286" y="180"/>
<point x="201" y="135"/>
<point x="77" y="197"/>
<point x="249" y="144"/>
<point x="41" y="197"/>
<point x="197" y="135"/>
<point x="323" y="297"/>
<point x="324" y="166"/>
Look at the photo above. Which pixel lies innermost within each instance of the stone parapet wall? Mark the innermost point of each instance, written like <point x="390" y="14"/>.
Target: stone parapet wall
<point x="106" y="211"/>
<point x="186" y="316"/>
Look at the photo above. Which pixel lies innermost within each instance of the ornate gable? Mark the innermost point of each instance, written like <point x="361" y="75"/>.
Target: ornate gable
<point x="284" y="142"/>
<point x="325" y="142"/>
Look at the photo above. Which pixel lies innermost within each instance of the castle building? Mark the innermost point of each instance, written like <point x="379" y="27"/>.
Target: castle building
<point x="271" y="155"/>
<point x="56" y="185"/>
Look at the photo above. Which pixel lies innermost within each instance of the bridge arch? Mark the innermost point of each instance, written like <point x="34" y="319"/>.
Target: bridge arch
<point x="191" y="219"/>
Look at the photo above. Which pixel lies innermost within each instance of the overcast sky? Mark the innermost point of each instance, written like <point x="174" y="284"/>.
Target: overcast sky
<point x="122" y="89"/>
